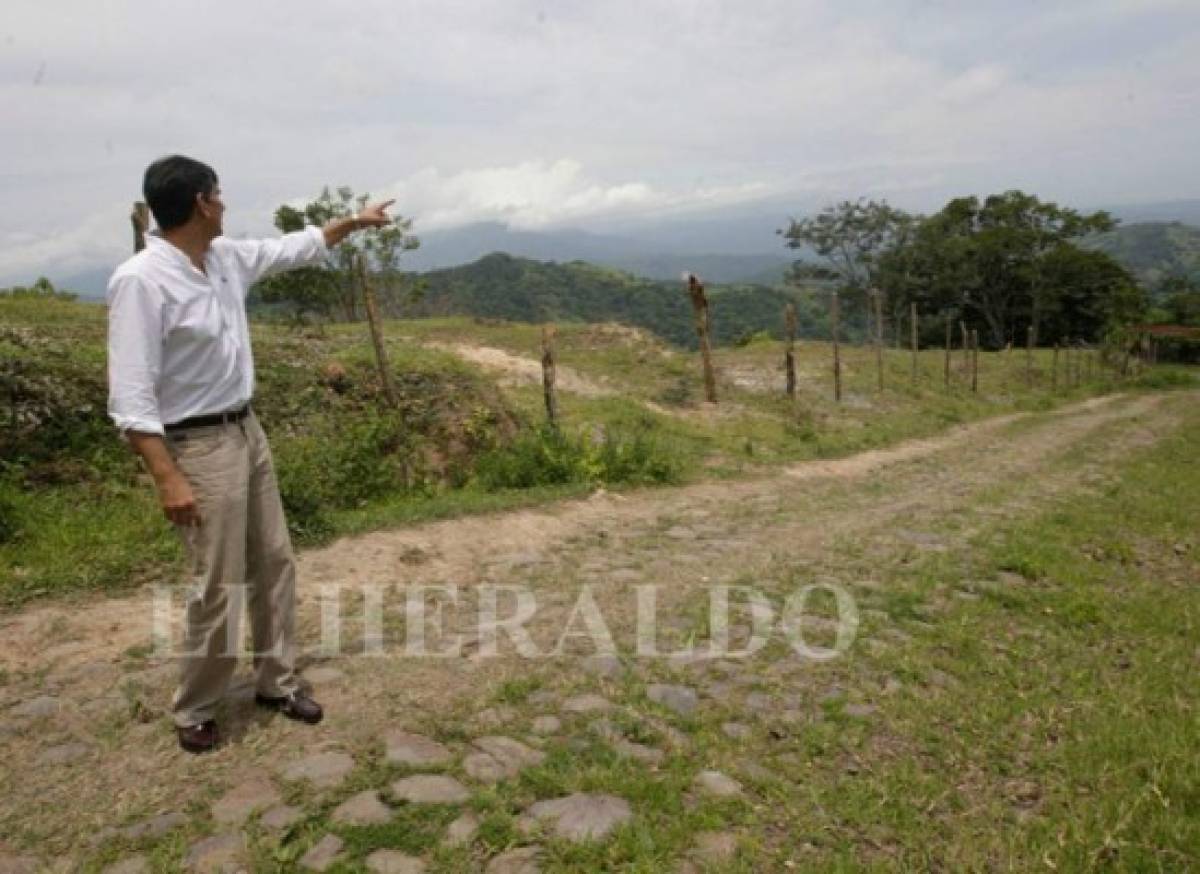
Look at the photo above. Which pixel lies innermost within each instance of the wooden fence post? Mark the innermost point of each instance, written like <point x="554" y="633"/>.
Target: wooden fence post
<point x="912" y="318"/>
<point x="789" y="353"/>
<point x="966" y="346"/>
<point x="879" y="335"/>
<point x="140" y="219"/>
<point x="700" y="310"/>
<point x="548" y="375"/>
<point x="949" y="343"/>
<point x="372" y="307"/>
<point x="1029" y="358"/>
<point x="1054" y="369"/>
<point x="975" y="360"/>
<point x="835" y="315"/>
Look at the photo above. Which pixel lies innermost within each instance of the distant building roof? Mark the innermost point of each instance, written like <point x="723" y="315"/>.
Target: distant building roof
<point x="1176" y="331"/>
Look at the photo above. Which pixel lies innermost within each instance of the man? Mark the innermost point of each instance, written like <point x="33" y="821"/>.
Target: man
<point x="181" y="377"/>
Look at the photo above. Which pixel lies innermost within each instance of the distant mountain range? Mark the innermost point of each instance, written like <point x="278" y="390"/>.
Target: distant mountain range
<point x="733" y="246"/>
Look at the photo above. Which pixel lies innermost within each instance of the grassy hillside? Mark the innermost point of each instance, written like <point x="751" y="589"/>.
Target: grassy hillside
<point x="518" y="289"/>
<point x="76" y="513"/>
<point x="1153" y="251"/>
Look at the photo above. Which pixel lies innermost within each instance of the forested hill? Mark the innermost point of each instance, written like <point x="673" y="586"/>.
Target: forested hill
<point x="518" y="289"/>
<point x="1152" y="251"/>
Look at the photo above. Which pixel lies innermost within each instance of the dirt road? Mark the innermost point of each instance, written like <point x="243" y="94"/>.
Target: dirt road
<point x="87" y="750"/>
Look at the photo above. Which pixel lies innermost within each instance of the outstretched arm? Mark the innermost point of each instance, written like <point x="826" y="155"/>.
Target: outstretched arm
<point x="373" y="216"/>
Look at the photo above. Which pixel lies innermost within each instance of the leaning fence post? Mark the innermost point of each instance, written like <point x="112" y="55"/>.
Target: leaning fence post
<point x="548" y="374"/>
<point x="385" y="377"/>
<point x="700" y="310"/>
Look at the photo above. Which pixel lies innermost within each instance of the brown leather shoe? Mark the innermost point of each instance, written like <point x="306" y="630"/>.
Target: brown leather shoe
<point x="198" y="738"/>
<point x="296" y="706"/>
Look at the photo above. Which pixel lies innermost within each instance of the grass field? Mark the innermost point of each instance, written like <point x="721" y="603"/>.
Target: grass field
<point x="76" y="514"/>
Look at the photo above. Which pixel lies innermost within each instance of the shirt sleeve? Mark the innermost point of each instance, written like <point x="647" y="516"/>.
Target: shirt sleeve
<point x="261" y="258"/>
<point x="135" y="339"/>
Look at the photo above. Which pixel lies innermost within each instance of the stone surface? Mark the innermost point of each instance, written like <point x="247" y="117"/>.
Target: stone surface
<point x="63" y="754"/>
<point x="500" y="758"/>
<point x="416" y="750"/>
<point x="462" y="830"/>
<point x="321" y="769"/>
<point x="279" y="818"/>
<point x="737" y="730"/>
<point x="522" y="860"/>
<point x="682" y="699"/>
<point x="641" y="752"/>
<point x="430" y="789"/>
<point x="587" y="704"/>
<point x="760" y="702"/>
<point x="582" y="816"/>
<point x="365" y="808"/>
<point x="128" y="865"/>
<point x="860" y="711"/>
<point x="394" y="862"/>
<point x="24" y="864"/>
<point x="715" y="846"/>
<point x="718" y="784"/>
<point x="602" y="665"/>
<point x="236" y="805"/>
<point x="154" y="827"/>
<point x="37" y="708"/>
<point x="546" y="724"/>
<point x="322" y="854"/>
<point x="220" y="854"/>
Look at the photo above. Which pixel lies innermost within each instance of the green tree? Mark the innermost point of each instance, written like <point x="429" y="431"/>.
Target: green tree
<point x="851" y="236"/>
<point x="333" y="288"/>
<point x="1002" y="264"/>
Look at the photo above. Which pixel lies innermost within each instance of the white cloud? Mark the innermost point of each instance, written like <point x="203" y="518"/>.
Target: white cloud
<point x="657" y="106"/>
<point x="537" y="194"/>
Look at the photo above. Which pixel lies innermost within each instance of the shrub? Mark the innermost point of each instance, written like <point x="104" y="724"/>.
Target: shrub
<point x="549" y="456"/>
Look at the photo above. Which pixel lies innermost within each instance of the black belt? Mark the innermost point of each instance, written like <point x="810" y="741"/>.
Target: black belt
<point x="211" y="419"/>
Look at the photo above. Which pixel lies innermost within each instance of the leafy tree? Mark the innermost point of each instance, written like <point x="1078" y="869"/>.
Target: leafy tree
<point x="851" y="236"/>
<point x="333" y="286"/>
<point x="1002" y="264"/>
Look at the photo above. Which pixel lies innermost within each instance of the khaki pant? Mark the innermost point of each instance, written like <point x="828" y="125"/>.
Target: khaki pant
<point x="240" y="553"/>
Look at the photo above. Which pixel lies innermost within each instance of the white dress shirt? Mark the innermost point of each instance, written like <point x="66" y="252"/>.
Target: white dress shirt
<point x="178" y="338"/>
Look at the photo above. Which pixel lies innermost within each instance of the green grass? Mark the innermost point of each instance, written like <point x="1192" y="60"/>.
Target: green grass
<point x="77" y="516"/>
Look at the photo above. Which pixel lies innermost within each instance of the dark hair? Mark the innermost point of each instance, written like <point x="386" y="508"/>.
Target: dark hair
<point x="171" y="185"/>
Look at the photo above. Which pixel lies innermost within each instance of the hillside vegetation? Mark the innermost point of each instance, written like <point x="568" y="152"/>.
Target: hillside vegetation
<point x="77" y="513"/>
<point x="519" y="289"/>
<point x="1153" y="251"/>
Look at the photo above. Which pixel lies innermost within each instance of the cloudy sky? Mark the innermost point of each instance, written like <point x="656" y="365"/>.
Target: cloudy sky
<point x="583" y="114"/>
